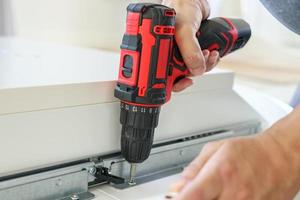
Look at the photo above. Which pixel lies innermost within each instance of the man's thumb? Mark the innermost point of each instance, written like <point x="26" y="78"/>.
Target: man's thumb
<point x="190" y="50"/>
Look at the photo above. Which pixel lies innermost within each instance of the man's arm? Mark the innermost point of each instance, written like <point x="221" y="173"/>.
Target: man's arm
<point x="264" y="166"/>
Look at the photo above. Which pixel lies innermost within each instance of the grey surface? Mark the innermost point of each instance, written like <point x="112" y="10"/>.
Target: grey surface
<point x="1" y="17"/>
<point x="50" y="184"/>
<point x="296" y="99"/>
<point x="52" y="188"/>
<point x="6" y="18"/>
<point x="286" y="11"/>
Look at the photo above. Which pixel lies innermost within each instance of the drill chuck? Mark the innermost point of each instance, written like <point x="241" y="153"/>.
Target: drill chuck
<point x="138" y="124"/>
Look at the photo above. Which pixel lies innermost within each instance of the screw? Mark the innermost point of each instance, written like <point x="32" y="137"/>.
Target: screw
<point x="59" y="182"/>
<point x="181" y="152"/>
<point x="74" y="197"/>
<point x="92" y="170"/>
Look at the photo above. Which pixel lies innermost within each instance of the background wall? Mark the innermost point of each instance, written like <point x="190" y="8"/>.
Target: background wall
<point x="6" y="16"/>
<point x="100" y="23"/>
<point x="272" y="55"/>
<point x="92" y="23"/>
<point x="1" y="17"/>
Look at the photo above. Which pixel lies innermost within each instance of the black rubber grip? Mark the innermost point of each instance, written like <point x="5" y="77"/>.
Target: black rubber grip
<point x="228" y="34"/>
<point x="138" y="124"/>
<point x="224" y="35"/>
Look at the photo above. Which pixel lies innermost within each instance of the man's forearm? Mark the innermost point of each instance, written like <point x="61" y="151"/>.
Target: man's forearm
<point x="286" y="132"/>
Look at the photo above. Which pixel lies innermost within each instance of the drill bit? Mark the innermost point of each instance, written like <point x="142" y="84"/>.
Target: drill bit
<point x="132" y="174"/>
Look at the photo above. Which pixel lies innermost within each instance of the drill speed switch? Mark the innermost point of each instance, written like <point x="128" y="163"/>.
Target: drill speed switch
<point x="150" y="64"/>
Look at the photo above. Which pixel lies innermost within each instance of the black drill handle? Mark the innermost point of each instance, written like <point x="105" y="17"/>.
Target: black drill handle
<point x="224" y="35"/>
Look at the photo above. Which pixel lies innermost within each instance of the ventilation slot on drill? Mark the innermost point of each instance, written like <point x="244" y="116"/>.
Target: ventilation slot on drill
<point x="170" y="13"/>
<point x="164" y="30"/>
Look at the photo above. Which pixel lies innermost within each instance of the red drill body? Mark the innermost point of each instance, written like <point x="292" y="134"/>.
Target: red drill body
<point x="151" y="63"/>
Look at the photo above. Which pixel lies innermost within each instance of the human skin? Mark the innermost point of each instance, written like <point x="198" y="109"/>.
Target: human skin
<point x="189" y="14"/>
<point x="261" y="167"/>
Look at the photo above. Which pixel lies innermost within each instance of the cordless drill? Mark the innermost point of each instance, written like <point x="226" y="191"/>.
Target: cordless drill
<point x="151" y="63"/>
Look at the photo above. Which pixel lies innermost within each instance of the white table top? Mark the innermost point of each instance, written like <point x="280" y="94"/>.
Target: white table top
<point x="25" y="63"/>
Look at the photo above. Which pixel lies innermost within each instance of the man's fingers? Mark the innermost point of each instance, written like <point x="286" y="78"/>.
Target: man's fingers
<point x="196" y="165"/>
<point x="205" y="8"/>
<point x="178" y="186"/>
<point x="191" y="171"/>
<point x="206" y="54"/>
<point x="206" y="186"/>
<point x="212" y="60"/>
<point x="189" y="15"/>
<point x="182" y="84"/>
<point x="190" y="49"/>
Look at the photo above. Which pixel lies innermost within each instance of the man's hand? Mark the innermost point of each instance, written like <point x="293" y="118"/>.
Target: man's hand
<point x="189" y="15"/>
<point x="261" y="167"/>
